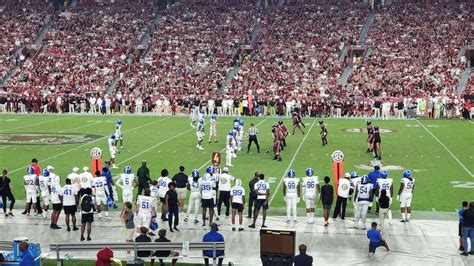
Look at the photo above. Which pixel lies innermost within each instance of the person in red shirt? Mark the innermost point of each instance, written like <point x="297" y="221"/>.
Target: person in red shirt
<point x="39" y="210"/>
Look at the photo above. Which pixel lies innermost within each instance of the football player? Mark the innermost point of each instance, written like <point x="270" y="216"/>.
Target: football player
<point x="311" y="188"/>
<point x="405" y="195"/>
<point x="262" y="190"/>
<point x="163" y="182"/>
<point x="193" y="114"/>
<point x="213" y="128"/>
<point x="200" y="133"/>
<point x="324" y="132"/>
<point x="370" y="137"/>
<point x="127" y="183"/>
<point x="229" y="148"/>
<point x="207" y="199"/>
<point x="70" y="204"/>
<point x="145" y="208"/>
<point x="355" y="180"/>
<point x="212" y="174"/>
<point x="237" y="197"/>
<point x="297" y="122"/>
<point x="276" y="143"/>
<point x="385" y="183"/>
<point x="291" y="193"/>
<point x="363" y="194"/>
<point x="118" y="133"/>
<point x="31" y="188"/>
<point x="112" y="149"/>
<point x="44" y="185"/>
<point x="56" y="199"/>
<point x="240" y="137"/>
<point x="284" y="131"/>
<point x="194" y="185"/>
<point x="99" y="184"/>
<point x="75" y="181"/>
<point x="377" y="142"/>
<point x="236" y="142"/>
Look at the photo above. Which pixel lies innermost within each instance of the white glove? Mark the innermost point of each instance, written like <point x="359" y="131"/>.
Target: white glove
<point x="398" y="197"/>
<point x="298" y="200"/>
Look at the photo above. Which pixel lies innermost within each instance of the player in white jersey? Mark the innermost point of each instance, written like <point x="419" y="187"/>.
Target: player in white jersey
<point x="200" y="133"/>
<point x="385" y="183"/>
<point x="99" y="183"/>
<point x="163" y="182"/>
<point x="240" y="137"/>
<point x="56" y="200"/>
<point x="224" y="185"/>
<point x="212" y="174"/>
<point x="363" y="194"/>
<point x="194" y="185"/>
<point x="201" y="113"/>
<point x="118" y="133"/>
<point x="311" y="189"/>
<point x="85" y="180"/>
<point x="127" y="183"/>
<point x="44" y="185"/>
<point x="229" y="148"/>
<point x="291" y="193"/>
<point x="405" y="195"/>
<point x="213" y="128"/>
<point x="237" y="197"/>
<point x="208" y="202"/>
<point x="145" y="207"/>
<point x="69" y="193"/>
<point x="193" y="113"/>
<point x="53" y="178"/>
<point x="262" y="190"/>
<point x="75" y="181"/>
<point x="355" y="180"/>
<point x="235" y="140"/>
<point x="154" y="190"/>
<point x="112" y="149"/>
<point x="31" y="188"/>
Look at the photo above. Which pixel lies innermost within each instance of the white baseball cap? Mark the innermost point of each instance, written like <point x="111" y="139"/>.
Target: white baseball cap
<point x="85" y="169"/>
<point x="75" y="169"/>
<point x="49" y="167"/>
<point x="347" y="175"/>
<point x="225" y="170"/>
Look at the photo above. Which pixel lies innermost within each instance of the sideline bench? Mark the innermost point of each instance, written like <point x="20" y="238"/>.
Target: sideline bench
<point x="142" y="246"/>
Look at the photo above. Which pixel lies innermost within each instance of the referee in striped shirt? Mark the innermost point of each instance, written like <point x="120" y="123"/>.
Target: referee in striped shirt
<point x="253" y="131"/>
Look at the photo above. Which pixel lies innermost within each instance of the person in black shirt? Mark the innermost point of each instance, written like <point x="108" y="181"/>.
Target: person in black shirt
<point x="171" y="205"/>
<point x="302" y="259"/>
<point x="377" y="143"/>
<point x="181" y="180"/>
<point x="165" y="253"/>
<point x="326" y="197"/>
<point x="384" y="205"/>
<point x="468" y="228"/>
<point x="144" y="239"/>
<point x="6" y="192"/>
<point x="253" y="195"/>
<point x="143" y="175"/>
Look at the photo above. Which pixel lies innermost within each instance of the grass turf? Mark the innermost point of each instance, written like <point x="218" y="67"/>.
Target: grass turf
<point x="443" y="179"/>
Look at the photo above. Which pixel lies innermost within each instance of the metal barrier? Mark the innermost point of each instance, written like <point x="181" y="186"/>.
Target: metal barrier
<point x="138" y="246"/>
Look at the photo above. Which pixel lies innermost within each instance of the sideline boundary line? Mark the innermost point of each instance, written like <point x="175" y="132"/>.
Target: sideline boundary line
<point x="446" y="148"/>
<point x="291" y="163"/>
<point x="37" y="124"/>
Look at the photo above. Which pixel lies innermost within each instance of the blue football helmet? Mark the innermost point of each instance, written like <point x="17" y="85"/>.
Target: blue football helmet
<point x="209" y="169"/>
<point x="213" y="116"/>
<point x="231" y="132"/>
<point x="291" y="173"/>
<point x="242" y="123"/>
<point x="202" y="111"/>
<point x="354" y="175"/>
<point x="31" y="170"/>
<point x="45" y="172"/>
<point x="127" y="170"/>
<point x="112" y="136"/>
<point x="201" y="121"/>
<point x="364" y="179"/>
<point x="153" y="224"/>
<point x="407" y="173"/>
<point x="384" y="174"/>
<point x="236" y="127"/>
<point x="110" y="202"/>
<point x="119" y="122"/>
<point x="237" y="119"/>
<point x="309" y="171"/>
<point x="195" y="173"/>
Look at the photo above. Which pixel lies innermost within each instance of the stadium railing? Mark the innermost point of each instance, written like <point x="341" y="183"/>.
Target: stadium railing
<point x="140" y="246"/>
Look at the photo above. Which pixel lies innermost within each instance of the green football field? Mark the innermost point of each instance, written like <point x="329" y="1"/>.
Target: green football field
<point x="440" y="153"/>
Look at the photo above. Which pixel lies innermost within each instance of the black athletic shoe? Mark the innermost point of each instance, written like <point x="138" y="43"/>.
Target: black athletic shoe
<point x="68" y="229"/>
<point x="241" y="229"/>
<point x="471" y="252"/>
<point x="252" y="226"/>
<point x="461" y="248"/>
<point x="464" y="253"/>
<point x="89" y="238"/>
<point x="176" y="229"/>
<point x="264" y="226"/>
<point x="233" y="229"/>
<point x="82" y="238"/>
<point x="75" y="228"/>
<point x="171" y="230"/>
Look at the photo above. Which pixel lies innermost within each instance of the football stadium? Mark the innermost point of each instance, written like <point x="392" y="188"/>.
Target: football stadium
<point x="236" y="132"/>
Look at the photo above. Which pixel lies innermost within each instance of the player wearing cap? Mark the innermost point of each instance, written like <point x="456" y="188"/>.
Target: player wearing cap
<point x="237" y="197"/>
<point x="291" y="194"/>
<point x="363" y="194"/>
<point x="194" y="185"/>
<point x="311" y="189"/>
<point x="343" y="189"/>
<point x="75" y="181"/>
<point x="225" y="184"/>
<point x="405" y="195"/>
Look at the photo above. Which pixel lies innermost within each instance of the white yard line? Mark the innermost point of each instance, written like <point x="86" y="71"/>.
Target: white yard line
<point x="446" y="148"/>
<point x="74" y="128"/>
<point x="85" y="144"/>
<point x="4" y="147"/>
<point x="154" y="146"/>
<point x="33" y="125"/>
<point x="275" y="192"/>
<point x="206" y="163"/>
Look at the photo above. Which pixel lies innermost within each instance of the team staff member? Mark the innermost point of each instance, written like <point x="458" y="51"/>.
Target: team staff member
<point x="225" y="184"/>
<point x="262" y="189"/>
<point x="253" y="131"/>
<point x="181" y="180"/>
<point x="342" y="195"/>
<point x="6" y="192"/>
<point x="143" y="175"/>
<point x="69" y="204"/>
<point x="326" y="197"/>
<point x="253" y="195"/>
<point x="237" y="196"/>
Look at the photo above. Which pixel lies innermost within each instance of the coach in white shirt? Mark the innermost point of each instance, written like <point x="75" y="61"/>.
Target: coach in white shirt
<point x="225" y="184"/>
<point x="342" y="195"/>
